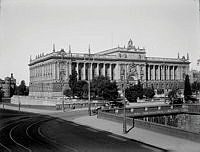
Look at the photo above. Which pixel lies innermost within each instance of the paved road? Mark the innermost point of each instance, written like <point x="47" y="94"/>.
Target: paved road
<point x="28" y="132"/>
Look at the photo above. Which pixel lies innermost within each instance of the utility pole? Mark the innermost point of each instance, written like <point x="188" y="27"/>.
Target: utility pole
<point x="62" y="81"/>
<point x="124" y="101"/>
<point x="89" y="66"/>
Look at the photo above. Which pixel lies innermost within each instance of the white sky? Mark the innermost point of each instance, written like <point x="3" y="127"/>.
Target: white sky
<point x="30" y="27"/>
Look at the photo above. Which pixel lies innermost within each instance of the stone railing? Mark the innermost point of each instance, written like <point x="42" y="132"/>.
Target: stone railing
<point x="73" y="55"/>
<point x="78" y="105"/>
<point x="194" y="108"/>
<point x="163" y="59"/>
<point x="148" y="110"/>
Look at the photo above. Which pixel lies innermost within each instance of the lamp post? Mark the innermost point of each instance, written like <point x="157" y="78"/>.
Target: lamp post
<point x="89" y="66"/>
<point x="62" y="79"/>
<point x="124" y="101"/>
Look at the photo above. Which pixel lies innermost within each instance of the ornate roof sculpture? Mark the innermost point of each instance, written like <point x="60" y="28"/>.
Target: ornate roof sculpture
<point x="131" y="46"/>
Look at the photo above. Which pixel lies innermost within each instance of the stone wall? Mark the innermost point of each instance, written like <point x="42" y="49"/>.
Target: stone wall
<point x="168" y="130"/>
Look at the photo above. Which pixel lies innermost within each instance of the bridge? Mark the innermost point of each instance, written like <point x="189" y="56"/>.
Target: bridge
<point x="145" y="111"/>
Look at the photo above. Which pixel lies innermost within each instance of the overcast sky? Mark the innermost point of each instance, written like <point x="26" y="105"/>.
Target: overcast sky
<point x="30" y="27"/>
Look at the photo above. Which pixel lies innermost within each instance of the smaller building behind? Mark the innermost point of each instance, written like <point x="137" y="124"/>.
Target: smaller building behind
<point x="8" y="86"/>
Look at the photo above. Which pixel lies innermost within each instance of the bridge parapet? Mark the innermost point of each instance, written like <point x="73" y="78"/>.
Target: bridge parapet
<point x="194" y="108"/>
<point x="155" y="110"/>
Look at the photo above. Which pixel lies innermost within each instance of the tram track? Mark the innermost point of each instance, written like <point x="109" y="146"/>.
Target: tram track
<point x="6" y="141"/>
<point x="22" y="133"/>
<point x="14" y="135"/>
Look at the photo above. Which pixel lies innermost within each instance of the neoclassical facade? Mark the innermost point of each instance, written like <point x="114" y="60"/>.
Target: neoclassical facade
<point x="121" y="64"/>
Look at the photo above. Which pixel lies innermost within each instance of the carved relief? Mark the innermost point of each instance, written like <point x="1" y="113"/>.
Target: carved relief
<point x="132" y="72"/>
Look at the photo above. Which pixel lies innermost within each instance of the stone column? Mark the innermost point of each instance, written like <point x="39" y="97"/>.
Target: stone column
<point x="48" y="69"/>
<point x="158" y="72"/>
<point x="178" y="73"/>
<point x="90" y="69"/>
<point x="33" y="73"/>
<point x="154" y="72"/>
<point x="117" y="72"/>
<point x="149" y="72"/>
<point x="84" y="71"/>
<point x="97" y="70"/>
<point x="175" y="72"/>
<point x="77" y="70"/>
<point x="110" y="71"/>
<point x="172" y="72"/>
<point x="103" y="69"/>
<point x="113" y="71"/>
<point x="163" y="72"/>
<point x="125" y="71"/>
<point x="70" y="67"/>
<point x="168" y="75"/>
<point x="54" y="70"/>
<point x="143" y="68"/>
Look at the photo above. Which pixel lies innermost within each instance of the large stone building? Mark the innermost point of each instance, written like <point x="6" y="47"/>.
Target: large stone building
<point x="47" y="72"/>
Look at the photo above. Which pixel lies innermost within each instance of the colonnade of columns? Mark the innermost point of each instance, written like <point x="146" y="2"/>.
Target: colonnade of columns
<point x="87" y="71"/>
<point x="164" y="72"/>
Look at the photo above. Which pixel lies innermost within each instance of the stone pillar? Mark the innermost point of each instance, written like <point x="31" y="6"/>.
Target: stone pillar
<point x="70" y="67"/>
<point x="50" y="71"/>
<point x="77" y="70"/>
<point x="57" y="71"/>
<point x="97" y="70"/>
<point x="162" y="72"/>
<point x="84" y="71"/>
<point x="154" y="72"/>
<point x="149" y="72"/>
<point x="178" y="73"/>
<point x="103" y="69"/>
<point x="158" y="72"/>
<point x="91" y="70"/>
<point x="175" y="72"/>
<point x="54" y="70"/>
<point x="110" y="71"/>
<point x="168" y="73"/>
<point x="113" y="71"/>
<point x="172" y="73"/>
<point x="143" y="68"/>
<point x="117" y="72"/>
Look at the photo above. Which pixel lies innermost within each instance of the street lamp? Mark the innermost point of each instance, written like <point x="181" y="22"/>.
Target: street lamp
<point x="124" y="101"/>
<point x="90" y="66"/>
<point x="62" y="79"/>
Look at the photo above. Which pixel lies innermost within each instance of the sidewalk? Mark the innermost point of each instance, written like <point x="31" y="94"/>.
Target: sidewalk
<point x="41" y="111"/>
<point x="157" y="139"/>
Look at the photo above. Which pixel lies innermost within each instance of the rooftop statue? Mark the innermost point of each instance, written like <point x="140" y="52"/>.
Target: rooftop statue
<point x="130" y="45"/>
